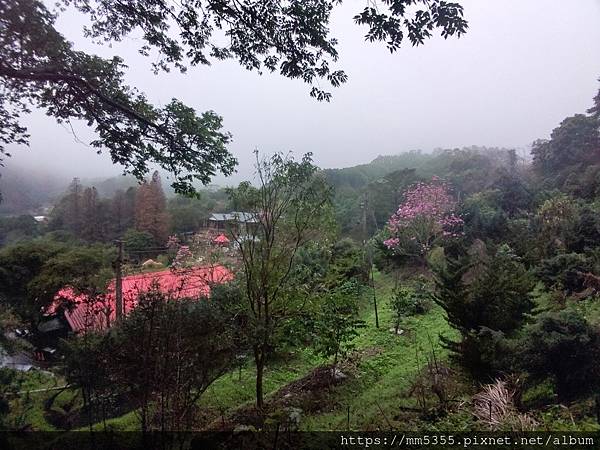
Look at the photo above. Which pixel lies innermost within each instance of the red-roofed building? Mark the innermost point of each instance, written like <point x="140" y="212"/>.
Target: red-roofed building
<point x="83" y="314"/>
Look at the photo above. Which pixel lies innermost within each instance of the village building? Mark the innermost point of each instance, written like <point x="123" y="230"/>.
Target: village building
<point x="76" y="313"/>
<point x="238" y="221"/>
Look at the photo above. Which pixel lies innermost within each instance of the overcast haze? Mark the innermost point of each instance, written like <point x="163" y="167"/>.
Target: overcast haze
<point x="522" y="67"/>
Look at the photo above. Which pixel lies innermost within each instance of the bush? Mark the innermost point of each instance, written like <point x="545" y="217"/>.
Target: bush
<point x="401" y="304"/>
<point x="139" y="241"/>
<point x="161" y="358"/>
<point x="483" y="216"/>
<point x="347" y="262"/>
<point x="485" y="299"/>
<point x="566" y="347"/>
<point x="337" y="322"/>
<point x="564" y="272"/>
<point x="409" y="301"/>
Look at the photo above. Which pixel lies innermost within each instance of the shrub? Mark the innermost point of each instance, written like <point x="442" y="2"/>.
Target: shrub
<point x="566" y="347"/>
<point x="401" y="304"/>
<point x="337" y="322"/>
<point x="485" y="299"/>
<point x="408" y="301"/>
<point x="564" y="272"/>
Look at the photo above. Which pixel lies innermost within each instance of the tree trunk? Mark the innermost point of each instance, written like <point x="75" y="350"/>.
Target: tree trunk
<point x="260" y="365"/>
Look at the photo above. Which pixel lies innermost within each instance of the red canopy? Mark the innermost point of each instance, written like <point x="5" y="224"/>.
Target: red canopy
<point x="221" y="239"/>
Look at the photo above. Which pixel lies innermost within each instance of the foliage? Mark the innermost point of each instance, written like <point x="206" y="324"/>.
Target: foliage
<point x="13" y="229"/>
<point x="122" y="209"/>
<point x="183" y="258"/>
<point x="31" y="273"/>
<point x="556" y="220"/>
<point x="20" y="264"/>
<point x="8" y="378"/>
<point x="188" y="214"/>
<point x="401" y="304"/>
<point x="161" y="357"/>
<point x="564" y="272"/>
<point x="484" y="297"/>
<point x="483" y="216"/>
<point x="88" y="364"/>
<point x="83" y="213"/>
<point x="39" y="67"/>
<point x="138" y="241"/>
<point x="9" y="322"/>
<point x="410" y="300"/>
<point x="337" y="322"/>
<point x="375" y="189"/>
<point x="347" y="263"/>
<point x="574" y="142"/>
<point x="291" y="209"/>
<point x="150" y="210"/>
<point x="564" y="346"/>
<point x="425" y="217"/>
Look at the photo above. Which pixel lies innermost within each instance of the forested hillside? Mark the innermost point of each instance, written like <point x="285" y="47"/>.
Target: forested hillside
<point x="379" y="184"/>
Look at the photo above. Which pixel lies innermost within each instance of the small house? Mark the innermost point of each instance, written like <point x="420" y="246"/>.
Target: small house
<point x="236" y="221"/>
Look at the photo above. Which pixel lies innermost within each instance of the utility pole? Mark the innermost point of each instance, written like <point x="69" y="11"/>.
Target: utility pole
<point x="368" y="255"/>
<point x="119" y="280"/>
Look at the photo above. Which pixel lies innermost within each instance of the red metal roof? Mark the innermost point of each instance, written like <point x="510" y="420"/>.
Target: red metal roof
<point x="83" y="314"/>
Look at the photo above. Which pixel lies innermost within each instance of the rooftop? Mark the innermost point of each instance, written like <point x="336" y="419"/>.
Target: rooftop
<point x="83" y="314"/>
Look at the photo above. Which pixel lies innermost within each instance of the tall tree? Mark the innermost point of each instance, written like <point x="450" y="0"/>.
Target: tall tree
<point x="151" y="210"/>
<point x="595" y="110"/>
<point x="424" y="218"/>
<point x="161" y="358"/>
<point x="122" y="210"/>
<point x="575" y="141"/>
<point x="67" y="214"/>
<point x="91" y="216"/>
<point x="485" y="297"/>
<point x="287" y="211"/>
<point x="39" y="67"/>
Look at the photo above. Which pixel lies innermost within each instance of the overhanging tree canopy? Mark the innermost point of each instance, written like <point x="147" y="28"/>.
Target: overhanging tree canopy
<point x="40" y="69"/>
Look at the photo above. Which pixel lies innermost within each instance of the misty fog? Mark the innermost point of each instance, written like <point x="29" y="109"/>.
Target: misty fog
<point x="521" y="68"/>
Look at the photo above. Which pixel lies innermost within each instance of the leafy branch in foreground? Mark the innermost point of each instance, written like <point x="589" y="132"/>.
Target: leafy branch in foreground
<point x="40" y="69"/>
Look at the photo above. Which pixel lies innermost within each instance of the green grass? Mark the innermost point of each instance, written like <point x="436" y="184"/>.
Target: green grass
<point x="375" y="394"/>
<point x="233" y="390"/>
<point x="28" y="408"/>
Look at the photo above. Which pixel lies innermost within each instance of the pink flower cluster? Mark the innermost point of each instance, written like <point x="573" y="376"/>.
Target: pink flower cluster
<point x="425" y="215"/>
<point x="391" y="242"/>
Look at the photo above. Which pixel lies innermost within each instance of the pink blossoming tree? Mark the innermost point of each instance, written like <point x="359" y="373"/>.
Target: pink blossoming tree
<point x="424" y="219"/>
<point x="184" y="259"/>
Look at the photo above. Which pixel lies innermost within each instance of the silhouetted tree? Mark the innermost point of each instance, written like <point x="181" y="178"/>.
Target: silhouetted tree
<point x="39" y="66"/>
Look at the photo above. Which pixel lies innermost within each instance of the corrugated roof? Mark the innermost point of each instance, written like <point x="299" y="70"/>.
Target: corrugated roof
<point x="238" y="216"/>
<point x="83" y="314"/>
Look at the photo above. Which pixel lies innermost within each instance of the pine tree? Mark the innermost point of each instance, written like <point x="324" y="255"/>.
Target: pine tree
<point x="72" y="207"/>
<point x="122" y="210"/>
<point x="151" y="210"/>
<point x="91" y="221"/>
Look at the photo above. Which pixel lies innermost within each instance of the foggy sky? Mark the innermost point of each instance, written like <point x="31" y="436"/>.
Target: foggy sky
<point x="522" y="67"/>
